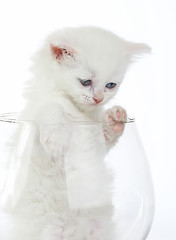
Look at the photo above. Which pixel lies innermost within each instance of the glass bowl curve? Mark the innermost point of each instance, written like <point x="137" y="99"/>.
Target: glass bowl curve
<point x="133" y="195"/>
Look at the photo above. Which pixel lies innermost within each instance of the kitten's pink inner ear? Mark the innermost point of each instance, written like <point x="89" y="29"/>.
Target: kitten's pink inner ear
<point x="58" y="52"/>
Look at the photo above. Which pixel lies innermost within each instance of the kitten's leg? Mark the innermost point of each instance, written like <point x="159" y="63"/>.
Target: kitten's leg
<point x="55" y="129"/>
<point x="113" y="124"/>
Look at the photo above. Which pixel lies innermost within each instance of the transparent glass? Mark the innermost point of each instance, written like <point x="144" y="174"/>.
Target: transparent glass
<point x="127" y="183"/>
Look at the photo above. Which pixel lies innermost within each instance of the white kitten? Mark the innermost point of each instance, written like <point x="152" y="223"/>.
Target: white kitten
<point x="76" y="72"/>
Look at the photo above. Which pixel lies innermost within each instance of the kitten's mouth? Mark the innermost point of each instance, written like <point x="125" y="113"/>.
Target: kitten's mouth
<point x="95" y="104"/>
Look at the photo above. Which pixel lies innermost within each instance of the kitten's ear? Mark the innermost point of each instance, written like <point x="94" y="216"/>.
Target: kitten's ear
<point x="134" y="50"/>
<point x="62" y="51"/>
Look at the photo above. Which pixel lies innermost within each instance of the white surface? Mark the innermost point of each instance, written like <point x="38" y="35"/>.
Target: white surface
<point x="148" y="90"/>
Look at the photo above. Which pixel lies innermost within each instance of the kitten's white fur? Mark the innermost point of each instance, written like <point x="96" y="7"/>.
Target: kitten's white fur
<point x="55" y="99"/>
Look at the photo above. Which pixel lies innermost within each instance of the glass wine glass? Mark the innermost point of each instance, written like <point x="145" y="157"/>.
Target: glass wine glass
<point x="132" y="197"/>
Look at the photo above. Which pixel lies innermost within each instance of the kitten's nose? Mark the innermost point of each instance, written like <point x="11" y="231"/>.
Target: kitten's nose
<point x="98" y="98"/>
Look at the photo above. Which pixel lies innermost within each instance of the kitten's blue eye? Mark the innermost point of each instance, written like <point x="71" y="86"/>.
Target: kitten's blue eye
<point x="110" y="85"/>
<point x="86" y="82"/>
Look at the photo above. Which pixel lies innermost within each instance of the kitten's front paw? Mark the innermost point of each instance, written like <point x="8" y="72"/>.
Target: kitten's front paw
<point x="55" y="139"/>
<point x="55" y="131"/>
<point x="114" y="122"/>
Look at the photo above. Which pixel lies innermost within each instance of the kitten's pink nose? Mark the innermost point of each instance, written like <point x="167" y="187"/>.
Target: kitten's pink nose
<point x="98" y="98"/>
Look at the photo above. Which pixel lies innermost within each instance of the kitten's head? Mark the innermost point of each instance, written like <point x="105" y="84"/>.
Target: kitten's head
<point x="87" y="64"/>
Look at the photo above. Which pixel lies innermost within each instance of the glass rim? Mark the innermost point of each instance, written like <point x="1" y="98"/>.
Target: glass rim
<point x="11" y="117"/>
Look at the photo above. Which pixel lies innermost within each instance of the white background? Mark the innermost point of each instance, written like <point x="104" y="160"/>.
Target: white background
<point x="148" y="89"/>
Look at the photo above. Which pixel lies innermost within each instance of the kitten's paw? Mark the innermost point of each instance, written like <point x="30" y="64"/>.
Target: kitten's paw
<point x="55" y="132"/>
<point x="55" y="139"/>
<point x="114" y="122"/>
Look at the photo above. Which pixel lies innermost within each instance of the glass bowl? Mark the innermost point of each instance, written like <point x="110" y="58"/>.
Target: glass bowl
<point x="127" y="184"/>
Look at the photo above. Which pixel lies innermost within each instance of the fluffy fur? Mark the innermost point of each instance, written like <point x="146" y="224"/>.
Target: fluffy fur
<point x="71" y="72"/>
